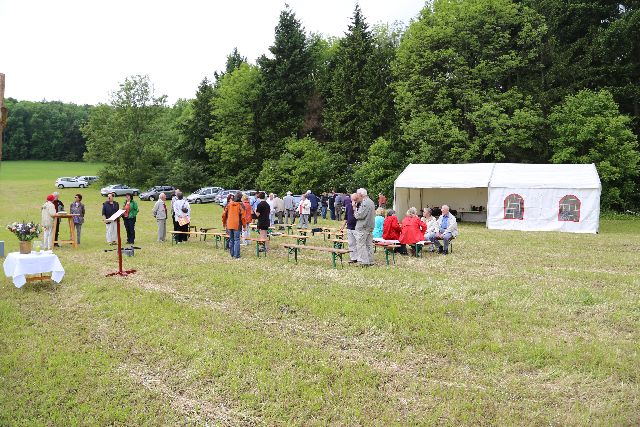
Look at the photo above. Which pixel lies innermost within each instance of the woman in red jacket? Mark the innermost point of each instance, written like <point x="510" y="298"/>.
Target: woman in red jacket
<point x="412" y="228"/>
<point x="391" y="230"/>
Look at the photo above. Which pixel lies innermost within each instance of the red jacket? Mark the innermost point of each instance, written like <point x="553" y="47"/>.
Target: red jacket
<point x="246" y="219"/>
<point x="412" y="230"/>
<point x="391" y="228"/>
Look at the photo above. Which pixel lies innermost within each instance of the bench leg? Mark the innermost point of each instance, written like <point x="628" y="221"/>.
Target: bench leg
<point x="386" y="255"/>
<point x="333" y="259"/>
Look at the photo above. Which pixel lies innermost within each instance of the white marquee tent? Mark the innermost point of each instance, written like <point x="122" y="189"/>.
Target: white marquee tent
<point x="512" y="196"/>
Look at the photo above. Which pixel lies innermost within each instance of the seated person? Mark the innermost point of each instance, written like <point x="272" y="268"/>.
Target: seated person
<point x="391" y="229"/>
<point x="447" y="230"/>
<point x="379" y="224"/>
<point x="432" y="225"/>
<point x="412" y="228"/>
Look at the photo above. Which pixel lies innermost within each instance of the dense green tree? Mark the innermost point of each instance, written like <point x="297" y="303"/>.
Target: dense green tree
<point x="359" y="100"/>
<point x="304" y="165"/>
<point x="286" y="85"/>
<point x="233" y="149"/>
<point x="458" y="62"/>
<point x="379" y="171"/>
<point x="44" y="131"/>
<point x="588" y="128"/>
<point x="592" y="44"/>
<point x="132" y="135"/>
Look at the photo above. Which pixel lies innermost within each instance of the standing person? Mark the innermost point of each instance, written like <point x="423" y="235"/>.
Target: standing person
<point x="379" y="224"/>
<point x="314" y="206"/>
<point x="272" y="212"/>
<point x="129" y="217"/>
<point x="339" y="203"/>
<point x="350" y="223"/>
<point x="305" y="211"/>
<point x="46" y="220"/>
<point x="262" y="212"/>
<point x="108" y="209"/>
<point x="412" y="229"/>
<point x="447" y="230"/>
<point x="382" y="201"/>
<point x="182" y="211"/>
<point x="77" y="208"/>
<point x="324" y="205"/>
<point x="159" y="212"/>
<point x="57" y="203"/>
<point x="289" y="208"/>
<point x="279" y="205"/>
<point x="332" y="207"/>
<point x="365" y="216"/>
<point x="247" y="217"/>
<point x="232" y="218"/>
<point x="173" y="212"/>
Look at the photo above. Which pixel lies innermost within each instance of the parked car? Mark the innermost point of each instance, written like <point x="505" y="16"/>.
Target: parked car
<point x="119" y="190"/>
<point x="68" y="182"/>
<point x="204" y="195"/>
<point x="154" y="192"/>
<point x="88" y="178"/>
<point x="222" y="196"/>
<point x="297" y="198"/>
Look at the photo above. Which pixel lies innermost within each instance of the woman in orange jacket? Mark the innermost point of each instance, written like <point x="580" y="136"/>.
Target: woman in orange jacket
<point x="232" y="219"/>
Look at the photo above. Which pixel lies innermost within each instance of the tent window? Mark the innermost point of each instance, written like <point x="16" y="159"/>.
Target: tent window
<point x="513" y="207"/>
<point x="569" y="209"/>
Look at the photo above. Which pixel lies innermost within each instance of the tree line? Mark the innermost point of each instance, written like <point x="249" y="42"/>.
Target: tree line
<point x="467" y="81"/>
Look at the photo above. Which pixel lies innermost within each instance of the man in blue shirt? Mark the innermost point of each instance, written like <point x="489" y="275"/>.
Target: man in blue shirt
<point x="447" y="230"/>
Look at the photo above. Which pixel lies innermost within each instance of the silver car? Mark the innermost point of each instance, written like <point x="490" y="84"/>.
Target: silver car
<point x="119" y="190"/>
<point x="204" y="195"/>
<point x="68" y="182"/>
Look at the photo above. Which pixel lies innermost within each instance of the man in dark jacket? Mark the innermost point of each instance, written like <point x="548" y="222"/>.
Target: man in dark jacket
<point x="57" y="203"/>
<point x="314" y="206"/>
<point x="332" y="208"/>
<point x="324" y="203"/>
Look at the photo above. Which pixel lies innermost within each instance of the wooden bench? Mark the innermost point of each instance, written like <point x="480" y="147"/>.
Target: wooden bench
<point x="327" y="234"/>
<point x="389" y="248"/>
<point x="335" y="253"/>
<point x="220" y="238"/>
<point x="304" y="231"/>
<point x="339" y="243"/>
<point x="205" y="232"/>
<point x="176" y="233"/>
<point x="288" y="227"/>
<point x="300" y="239"/>
<point x="260" y="243"/>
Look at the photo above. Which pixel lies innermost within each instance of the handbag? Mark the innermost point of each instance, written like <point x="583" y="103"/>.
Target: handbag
<point x="183" y="220"/>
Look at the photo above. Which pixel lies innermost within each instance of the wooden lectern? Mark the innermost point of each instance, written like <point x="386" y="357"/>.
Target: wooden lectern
<point x="116" y="217"/>
<point x="72" y="230"/>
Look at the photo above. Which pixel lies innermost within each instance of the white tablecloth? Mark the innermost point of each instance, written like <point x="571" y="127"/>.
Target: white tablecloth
<point x="17" y="265"/>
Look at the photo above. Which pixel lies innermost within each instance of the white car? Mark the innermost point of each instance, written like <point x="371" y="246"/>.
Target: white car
<point x="68" y="182"/>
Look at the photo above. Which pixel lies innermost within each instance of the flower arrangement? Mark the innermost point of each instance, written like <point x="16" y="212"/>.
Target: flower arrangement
<point x="25" y="231"/>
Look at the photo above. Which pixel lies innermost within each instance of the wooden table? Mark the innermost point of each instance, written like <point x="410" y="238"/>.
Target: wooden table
<point x="72" y="230"/>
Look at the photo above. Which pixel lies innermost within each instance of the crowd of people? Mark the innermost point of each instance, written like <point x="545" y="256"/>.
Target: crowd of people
<point x="363" y="221"/>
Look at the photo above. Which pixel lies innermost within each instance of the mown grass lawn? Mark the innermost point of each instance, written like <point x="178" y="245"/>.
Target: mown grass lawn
<point x="513" y="328"/>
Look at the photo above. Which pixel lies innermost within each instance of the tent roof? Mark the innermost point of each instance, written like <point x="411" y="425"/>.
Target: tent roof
<point x="499" y="175"/>
<point x="518" y="175"/>
<point x="469" y="175"/>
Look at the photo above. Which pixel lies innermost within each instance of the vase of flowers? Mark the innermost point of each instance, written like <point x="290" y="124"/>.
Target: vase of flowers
<point x="25" y="232"/>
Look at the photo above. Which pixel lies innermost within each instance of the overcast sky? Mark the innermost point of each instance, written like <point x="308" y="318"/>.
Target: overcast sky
<point x="79" y="50"/>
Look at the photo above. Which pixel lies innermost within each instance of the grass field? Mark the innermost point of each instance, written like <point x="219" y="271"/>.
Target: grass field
<point x="512" y="329"/>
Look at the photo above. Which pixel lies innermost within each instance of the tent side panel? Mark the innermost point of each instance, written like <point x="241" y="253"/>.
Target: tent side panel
<point x="542" y="210"/>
